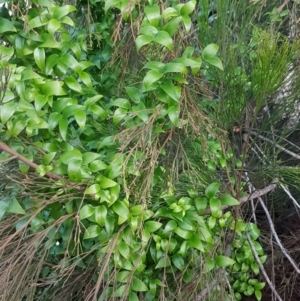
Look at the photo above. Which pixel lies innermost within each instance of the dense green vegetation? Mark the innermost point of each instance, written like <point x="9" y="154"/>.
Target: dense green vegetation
<point x="140" y="130"/>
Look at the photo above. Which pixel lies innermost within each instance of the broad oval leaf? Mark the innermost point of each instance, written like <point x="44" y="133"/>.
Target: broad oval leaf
<point x="228" y="200"/>
<point x="152" y="226"/>
<point x="6" y="25"/>
<point x="93" y="189"/>
<point x="138" y="285"/>
<point x="224" y="261"/>
<point x="173" y="113"/>
<point x="151" y="77"/>
<point x="80" y="117"/>
<point x="86" y="211"/>
<point x="73" y="84"/>
<point x="212" y="190"/>
<point x="74" y="170"/>
<point x="92" y="232"/>
<point x="142" y="41"/>
<point x="124" y="250"/>
<point x="100" y="215"/>
<point x="121" y="209"/>
<point x="163" y="38"/>
<point x="7" y="111"/>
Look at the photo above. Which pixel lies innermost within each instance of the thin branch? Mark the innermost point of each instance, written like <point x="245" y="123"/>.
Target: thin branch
<point x="283" y="250"/>
<point x="277" y="145"/>
<point x="286" y="190"/>
<point x="273" y="289"/>
<point x="8" y="150"/>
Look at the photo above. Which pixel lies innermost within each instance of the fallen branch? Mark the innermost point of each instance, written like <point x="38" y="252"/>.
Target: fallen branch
<point x="17" y="156"/>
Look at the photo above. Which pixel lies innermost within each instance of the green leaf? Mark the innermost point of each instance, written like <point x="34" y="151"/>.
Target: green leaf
<point x="53" y="88"/>
<point x="170" y="226"/>
<point x="215" y="205"/>
<point x="138" y="285"/>
<point x="48" y="158"/>
<point x="80" y="117"/>
<point x="107" y="183"/>
<point x="93" y="189"/>
<point x="163" y="38"/>
<point x="196" y="243"/>
<point x="142" y="40"/>
<point x="124" y="250"/>
<point x="141" y="111"/>
<point x="134" y="95"/>
<point x="227" y="200"/>
<point x="136" y="210"/>
<point x="7" y="111"/>
<point x="175" y="67"/>
<point x="152" y="226"/>
<point x="153" y="14"/>
<point x="188" y="8"/>
<point x="73" y="84"/>
<point x="97" y="165"/>
<point x="173" y="113"/>
<point x="121" y="209"/>
<point x="74" y="170"/>
<point x="169" y="12"/>
<point x="63" y="128"/>
<point x="215" y="61"/>
<point x="86" y="211"/>
<point x="210" y="51"/>
<point x="88" y="157"/>
<point x="100" y="215"/>
<point x="68" y="156"/>
<point x="188" y="276"/>
<point x="253" y="231"/>
<point x="53" y="25"/>
<point x="259" y="286"/>
<point x="212" y="190"/>
<point x="183" y="233"/>
<point x="173" y="91"/>
<point x="39" y="57"/>
<point x="187" y="22"/>
<point x="15" y="207"/>
<point x="172" y="26"/>
<point x="63" y="11"/>
<point x="69" y="60"/>
<point x="92" y="232"/>
<point x="149" y="30"/>
<point x="123" y="276"/>
<point x="6" y="26"/>
<point x="133" y="297"/>
<point x="223" y="261"/>
<point x="258" y="295"/>
<point x="119" y="115"/>
<point x="178" y="261"/>
<point x="151" y="77"/>
<point x="163" y="263"/>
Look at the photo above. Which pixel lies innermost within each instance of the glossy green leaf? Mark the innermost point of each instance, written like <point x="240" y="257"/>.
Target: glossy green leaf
<point x="212" y="190"/>
<point x="69" y="60"/>
<point x="6" y="26"/>
<point x="92" y="232"/>
<point x="143" y="40"/>
<point x="173" y="113"/>
<point x="175" y="68"/>
<point x="173" y="91"/>
<point x="74" y="170"/>
<point x="210" y="51"/>
<point x="170" y="226"/>
<point x="138" y="285"/>
<point x="80" y="117"/>
<point x="136" y="210"/>
<point x="63" y="11"/>
<point x="172" y="26"/>
<point x="86" y="211"/>
<point x="7" y="111"/>
<point x="253" y="231"/>
<point x="228" y="200"/>
<point x="124" y="250"/>
<point x="188" y="276"/>
<point x="93" y="189"/>
<point x="121" y="209"/>
<point x="196" y="243"/>
<point x="215" y="205"/>
<point x="141" y="111"/>
<point x="153" y="14"/>
<point x="100" y="215"/>
<point x="53" y="88"/>
<point x="163" y="38"/>
<point x="152" y="226"/>
<point x="133" y="297"/>
<point x="188" y="8"/>
<point x="119" y="115"/>
<point x="6" y="52"/>
<point x="97" y="165"/>
<point x="215" y="61"/>
<point x="107" y="183"/>
<point x="258" y="295"/>
<point x="73" y="84"/>
<point x="15" y="207"/>
<point x="123" y="102"/>
<point x="68" y="156"/>
<point x="39" y="57"/>
<point x="151" y="77"/>
<point x="53" y="26"/>
<point x="223" y="261"/>
<point x="183" y="233"/>
<point x="169" y="12"/>
<point x="163" y="263"/>
<point x="48" y="158"/>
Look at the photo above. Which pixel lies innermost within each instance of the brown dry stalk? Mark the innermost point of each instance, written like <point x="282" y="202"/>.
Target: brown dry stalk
<point x="8" y="150"/>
